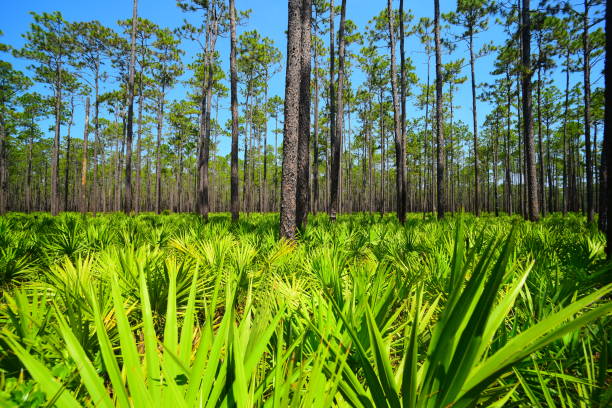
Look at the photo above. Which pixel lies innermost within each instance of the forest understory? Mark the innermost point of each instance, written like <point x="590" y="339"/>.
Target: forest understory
<point x="168" y="310"/>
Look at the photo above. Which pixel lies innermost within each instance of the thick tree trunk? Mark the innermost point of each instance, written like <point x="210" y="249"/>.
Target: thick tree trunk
<point x="234" y="107"/>
<point x="532" y="182"/>
<point x="400" y="185"/>
<point x="128" y="204"/>
<point x="291" y="127"/>
<point x="303" y="190"/>
<point x="441" y="165"/>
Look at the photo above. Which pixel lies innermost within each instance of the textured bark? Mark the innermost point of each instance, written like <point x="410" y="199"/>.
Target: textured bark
<point x="440" y="161"/>
<point x="83" y="201"/>
<point x="303" y="190"/>
<point x="397" y="119"/>
<point x="532" y="192"/>
<point x="128" y="204"/>
<point x="291" y="126"/>
<point x="234" y="107"/>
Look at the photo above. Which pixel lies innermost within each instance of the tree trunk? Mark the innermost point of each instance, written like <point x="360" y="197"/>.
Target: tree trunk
<point x="56" y="141"/>
<point x="291" y="127"/>
<point x="607" y="139"/>
<point x="565" y="144"/>
<point x="315" y="136"/>
<point x="406" y="187"/>
<point x="83" y="203"/>
<point x="234" y="102"/>
<point x="128" y="204"/>
<point x="439" y="120"/>
<point x="532" y="182"/>
<point x="303" y="190"/>
<point x="587" y="112"/>
<point x="475" y="123"/>
<point x="160" y="124"/>
<point x="67" y="166"/>
<point x="3" y="167"/>
<point x="397" y="119"/>
<point x="335" y="161"/>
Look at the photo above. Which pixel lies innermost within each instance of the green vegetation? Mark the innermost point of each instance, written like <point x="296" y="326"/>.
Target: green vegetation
<point x="172" y="311"/>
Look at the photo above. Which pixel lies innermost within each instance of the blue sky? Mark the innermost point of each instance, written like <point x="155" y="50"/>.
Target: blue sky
<point x="269" y="17"/>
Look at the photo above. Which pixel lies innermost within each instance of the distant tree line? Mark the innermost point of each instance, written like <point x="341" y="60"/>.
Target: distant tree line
<point x="332" y="145"/>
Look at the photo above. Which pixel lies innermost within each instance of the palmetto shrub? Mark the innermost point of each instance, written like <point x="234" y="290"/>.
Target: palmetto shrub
<point x="170" y="311"/>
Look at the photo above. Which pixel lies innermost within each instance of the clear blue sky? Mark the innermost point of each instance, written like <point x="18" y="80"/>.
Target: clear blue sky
<point x="269" y="17"/>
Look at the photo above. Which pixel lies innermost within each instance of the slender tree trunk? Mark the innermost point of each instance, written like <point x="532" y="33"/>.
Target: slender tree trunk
<point x="3" y="166"/>
<point x="565" y="144"/>
<point x="160" y="124"/>
<point x="202" y="200"/>
<point x="406" y="186"/>
<point x="532" y="192"/>
<point x="607" y="139"/>
<point x="315" y="136"/>
<point x="96" y="178"/>
<point x="495" y="161"/>
<point x="587" y="111"/>
<point x="56" y="141"/>
<point x="439" y="120"/>
<point x="303" y="190"/>
<point x="67" y="166"/>
<point x="335" y="159"/>
<point x="83" y="203"/>
<point x="542" y="194"/>
<point x="128" y="204"/>
<point x="137" y="198"/>
<point x="397" y="119"/>
<point x="475" y="124"/>
<point x="29" y="203"/>
<point x="234" y="102"/>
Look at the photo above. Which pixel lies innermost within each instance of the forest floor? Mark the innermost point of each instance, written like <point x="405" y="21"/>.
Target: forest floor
<point x="168" y="310"/>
